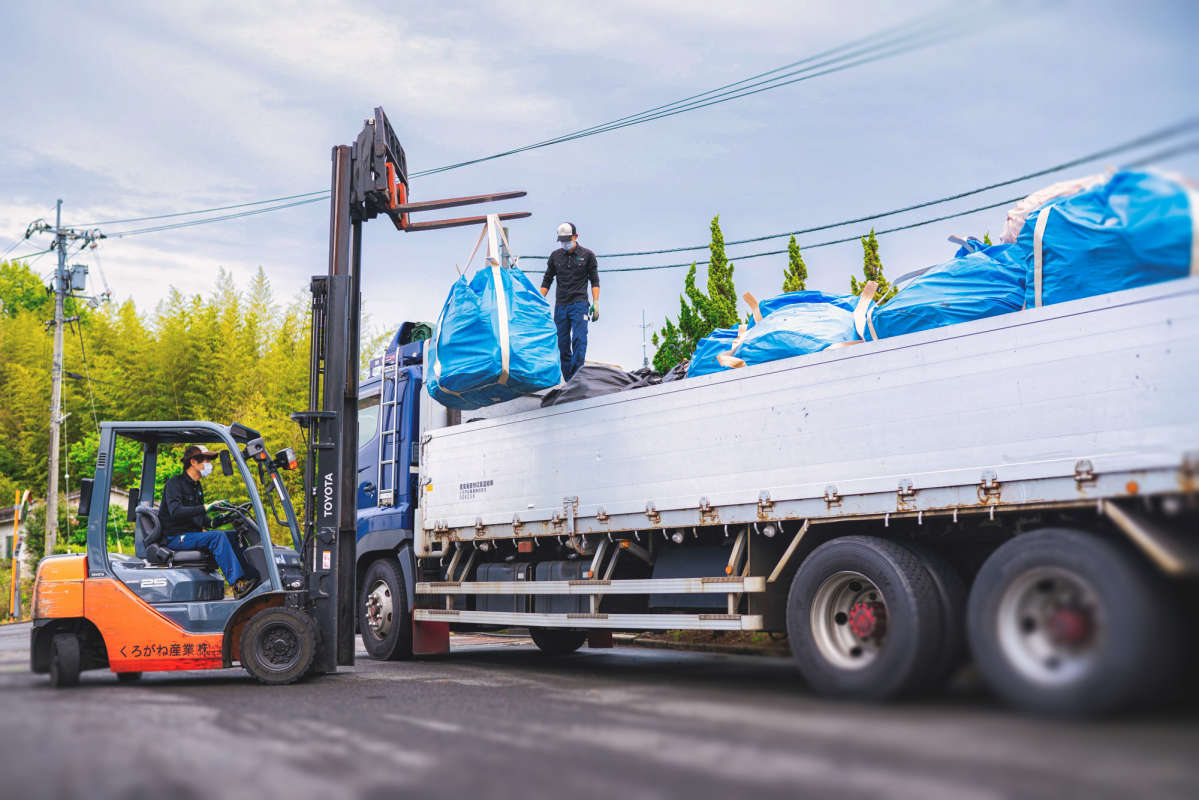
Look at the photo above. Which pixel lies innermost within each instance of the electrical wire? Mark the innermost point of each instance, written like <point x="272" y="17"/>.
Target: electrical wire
<point x="899" y="39"/>
<point x="206" y="220"/>
<point x="324" y="193"/>
<point x="1150" y="138"/>
<point x="841" y="63"/>
<point x="1180" y="149"/>
<point x="88" y="374"/>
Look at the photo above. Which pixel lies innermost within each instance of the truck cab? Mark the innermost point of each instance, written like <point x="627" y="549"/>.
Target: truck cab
<point x="388" y="453"/>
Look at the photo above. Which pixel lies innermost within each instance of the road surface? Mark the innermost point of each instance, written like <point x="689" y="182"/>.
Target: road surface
<point x="496" y="720"/>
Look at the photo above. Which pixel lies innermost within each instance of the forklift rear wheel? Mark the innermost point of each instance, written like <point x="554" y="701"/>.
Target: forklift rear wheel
<point x="129" y="677"/>
<point x="557" y="642"/>
<point x="383" y="616"/>
<point x="278" y="645"/>
<point x="64" y="660"/>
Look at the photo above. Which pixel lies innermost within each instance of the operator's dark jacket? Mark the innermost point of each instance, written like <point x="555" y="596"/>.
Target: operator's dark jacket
<point x="573" y="269"/>
<point x="182" y="509"/>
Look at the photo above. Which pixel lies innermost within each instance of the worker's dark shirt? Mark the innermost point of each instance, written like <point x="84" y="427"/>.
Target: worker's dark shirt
<point x="572" y="268"/>
<point x="182" y="509"/>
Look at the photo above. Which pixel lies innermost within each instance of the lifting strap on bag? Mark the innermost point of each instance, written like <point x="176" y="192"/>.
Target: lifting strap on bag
<point x="728" y="359"/>
<point x="1038" y="254"/>
<point x="863" y="313"/>
<point x="1193" y="205"/>
<point x="752" y="302"/>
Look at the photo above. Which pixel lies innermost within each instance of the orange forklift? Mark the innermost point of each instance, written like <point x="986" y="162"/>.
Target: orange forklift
<point x="162" y="609"/>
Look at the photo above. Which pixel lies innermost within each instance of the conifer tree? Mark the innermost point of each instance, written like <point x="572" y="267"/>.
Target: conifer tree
<point x="795" y="276"/>
<point x="700" y="312"/>
<point x="872" y="269"/>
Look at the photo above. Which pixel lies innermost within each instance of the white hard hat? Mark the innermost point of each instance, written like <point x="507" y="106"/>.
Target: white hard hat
<point x="565" y="231"/>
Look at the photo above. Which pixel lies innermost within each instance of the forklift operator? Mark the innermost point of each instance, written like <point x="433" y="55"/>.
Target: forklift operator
<point x="184" y="519"/>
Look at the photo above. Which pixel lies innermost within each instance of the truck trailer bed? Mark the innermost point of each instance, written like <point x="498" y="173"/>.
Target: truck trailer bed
<point x="1066" y="404"/>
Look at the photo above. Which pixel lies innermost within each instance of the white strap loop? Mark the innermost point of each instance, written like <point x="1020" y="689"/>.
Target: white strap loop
<point x="1038" y="254"/>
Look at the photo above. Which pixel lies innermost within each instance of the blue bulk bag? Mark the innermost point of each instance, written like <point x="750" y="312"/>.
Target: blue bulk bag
<point x="791" y="324"/>
<point x="703" y="361"/>
<point x="979" y="282"/>
<point x="1134" y="229"/>
<point x="495" y="341"/>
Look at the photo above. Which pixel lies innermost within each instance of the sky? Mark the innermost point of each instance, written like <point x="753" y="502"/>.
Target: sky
<point x="129" y="109"/>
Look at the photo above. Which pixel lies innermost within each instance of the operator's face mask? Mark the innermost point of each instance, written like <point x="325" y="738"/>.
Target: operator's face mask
<point x="205" y="469"/>
<point x="568" y="245"/>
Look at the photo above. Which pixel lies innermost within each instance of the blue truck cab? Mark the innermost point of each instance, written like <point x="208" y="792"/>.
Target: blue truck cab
<point x="388" y="453"/>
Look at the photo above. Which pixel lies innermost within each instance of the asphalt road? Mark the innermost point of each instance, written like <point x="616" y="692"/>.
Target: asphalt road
<point x="496" y="720"/>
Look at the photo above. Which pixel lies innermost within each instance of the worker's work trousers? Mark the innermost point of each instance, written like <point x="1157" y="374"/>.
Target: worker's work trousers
<point x="571" y="320"/>
<point x="219" y="543"/>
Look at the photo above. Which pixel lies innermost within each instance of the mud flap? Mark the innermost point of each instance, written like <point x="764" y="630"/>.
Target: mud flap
<point x="430" y="638"/>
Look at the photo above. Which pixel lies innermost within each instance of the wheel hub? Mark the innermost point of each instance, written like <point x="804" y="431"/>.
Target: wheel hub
<point x="849" y="619"/>
<point x="868" y="619"/>
<point x="279" y="646"/>
<point x="379" y="609"/>
<point x="1070" y="627"/>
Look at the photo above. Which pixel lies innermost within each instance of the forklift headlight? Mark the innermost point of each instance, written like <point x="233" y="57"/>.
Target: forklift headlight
<point x="286" y="459"/>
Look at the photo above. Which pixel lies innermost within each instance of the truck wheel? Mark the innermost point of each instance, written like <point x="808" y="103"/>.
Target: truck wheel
<point x="951" y="591"/>
<point x="64" y="660"/>
<point x="557" y="642"/>
<point x="383" y="618"/>
<point x="1064" y="622"/>
<point x="278" y="645"/>
<point x="863" y="618"/>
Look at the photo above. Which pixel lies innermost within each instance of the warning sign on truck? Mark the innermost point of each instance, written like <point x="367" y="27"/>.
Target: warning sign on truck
<point x="473" y="489"/>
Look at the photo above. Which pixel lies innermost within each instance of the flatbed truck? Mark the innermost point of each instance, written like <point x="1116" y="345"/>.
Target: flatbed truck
<point x="1020" y="489"/>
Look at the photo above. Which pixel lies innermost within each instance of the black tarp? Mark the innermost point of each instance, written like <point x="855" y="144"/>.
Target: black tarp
<point x="593" y="380"/>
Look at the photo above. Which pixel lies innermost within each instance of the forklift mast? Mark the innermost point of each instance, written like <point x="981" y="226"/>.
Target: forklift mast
<point x="370" y="177"/>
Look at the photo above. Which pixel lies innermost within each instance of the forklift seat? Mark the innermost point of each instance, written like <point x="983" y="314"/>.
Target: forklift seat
<point x="148" y="543"/>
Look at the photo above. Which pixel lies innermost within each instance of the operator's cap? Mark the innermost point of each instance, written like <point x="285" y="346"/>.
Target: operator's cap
<point x="195" y="451"/>
<point x="566" y="230"/>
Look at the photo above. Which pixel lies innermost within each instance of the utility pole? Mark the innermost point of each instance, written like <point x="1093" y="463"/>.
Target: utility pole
<point x="644" y="327"/>
<point x="65" y="281"/>
<point x="60" y="286"/>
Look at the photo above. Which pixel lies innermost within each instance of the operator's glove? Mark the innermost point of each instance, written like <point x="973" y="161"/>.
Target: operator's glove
<point x="211" y="505"/>
<point x="594" y="312"/>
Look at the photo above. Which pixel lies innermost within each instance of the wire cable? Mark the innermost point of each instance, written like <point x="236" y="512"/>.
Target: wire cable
<point x="1180" y="149"/>
<point x="206" y="220"/>
<point x="87" y="372"/>
<point x="1170" y="131"/>
<point x="904" y="37"/>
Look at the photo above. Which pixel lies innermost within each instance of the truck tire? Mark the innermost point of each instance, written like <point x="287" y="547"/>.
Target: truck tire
<point x="556" y="641"/>
<point x="951" y="591"/>
<point x="863" y="618"/>
<point x="64" y="660"/>
<point x="383" y="619"/>
<point x="1063" y="622"/>
<point x="278" y="645"/>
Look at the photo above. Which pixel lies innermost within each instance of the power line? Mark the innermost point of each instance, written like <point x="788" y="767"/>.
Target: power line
<point x="323" y="192"/>
<point x="835" y="65"/>
<point x="897" y="40"/>
<point x="206" y="220"/>
<point x="1150" y="138"/>
<point x="1180" y="149"/>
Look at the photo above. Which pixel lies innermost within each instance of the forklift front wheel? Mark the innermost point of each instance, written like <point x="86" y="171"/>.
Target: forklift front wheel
<point x="64" y="660"/>
<point x="278" y="645"/>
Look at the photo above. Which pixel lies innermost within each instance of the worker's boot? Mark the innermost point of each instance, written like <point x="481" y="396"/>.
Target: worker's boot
<point x="243" y="586"/>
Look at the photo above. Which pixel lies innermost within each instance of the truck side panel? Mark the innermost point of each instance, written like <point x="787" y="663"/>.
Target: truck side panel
<point x="1063" y="403"/>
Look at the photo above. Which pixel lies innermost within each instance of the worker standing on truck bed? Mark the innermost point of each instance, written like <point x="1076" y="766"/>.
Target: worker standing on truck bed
<point x="184" y="517"/>
<point x="573" y="265"/>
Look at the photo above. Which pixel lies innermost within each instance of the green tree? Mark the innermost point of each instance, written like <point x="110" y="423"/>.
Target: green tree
<point x="700" y="311"/>
<point x="795" y="276"/>
<point x="872" y="269"/>
<point x="22" y="290"/>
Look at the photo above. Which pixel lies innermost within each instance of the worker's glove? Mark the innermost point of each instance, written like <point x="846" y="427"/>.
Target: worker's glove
<point x="594" y="312"/>
<point x="213" y="504"/>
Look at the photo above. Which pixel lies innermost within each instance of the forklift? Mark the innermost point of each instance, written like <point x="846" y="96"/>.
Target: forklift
<point x="161" y="609"/>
